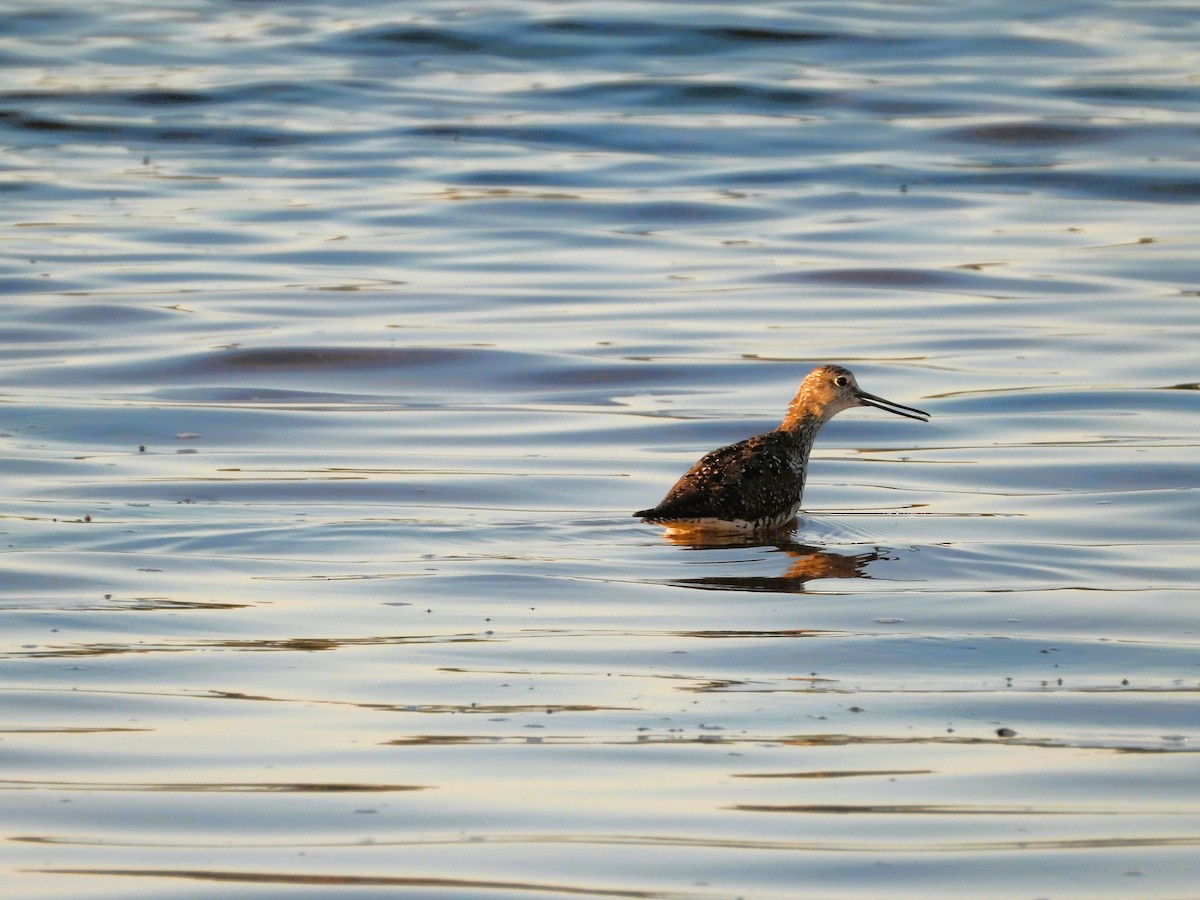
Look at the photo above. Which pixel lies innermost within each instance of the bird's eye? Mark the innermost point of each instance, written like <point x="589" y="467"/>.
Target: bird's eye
<point x="841" y="381"/>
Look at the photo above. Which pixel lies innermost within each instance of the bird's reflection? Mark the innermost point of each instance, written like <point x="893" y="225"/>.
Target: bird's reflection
<point x="805" y="562"/>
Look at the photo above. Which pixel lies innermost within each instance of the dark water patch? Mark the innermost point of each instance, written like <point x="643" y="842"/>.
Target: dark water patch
<point x="1141" y="186"/>
<point x="657" y="137"/>
<point x="436" y="366"/>
<point x="27" y="342"/>
<point x="570" y="374"/>
<point x="1160" y="95"/>
<point x="523" y="136"/>
<point x="140" y="135"/>
<point x="882" y="187"/>
<point x="424" y="40"/>
<point x="673" y="38"/>
<point x="608" y="136"/>
<point x="50" y="284"/>
<point x="741" y="35"/>
<point x="516" y="178"/>
<point x="167" y="98"/>
<point x="958" y="280"/>
<point x="29" y="581"/>
<point x="224" y="237"/>
<point x="24" y="121"/>
<point x="676" y="95"/>
<point x="233" y="136"/>
<point x="33" y="22"/>
<point x="337" y="357"/>
<point x="514" y="39"/>
<point x="901" y="279"/>
<point x="1030" y="134"/>
<point x="666" y="214"/>
<point x="321" y="372"/>
<point x="918" y="809"/>
<point x="891" y="103"/>
<point x="82" y="101"/>
<point x="324" y="92"/>
<point x="991" y="44"/>
<point x="695" y="36"/>
<point x="523" y="214"/>
<point x="429" y="370"/>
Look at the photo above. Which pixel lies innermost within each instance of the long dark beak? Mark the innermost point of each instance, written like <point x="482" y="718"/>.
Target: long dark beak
<point x="888" y="406"/>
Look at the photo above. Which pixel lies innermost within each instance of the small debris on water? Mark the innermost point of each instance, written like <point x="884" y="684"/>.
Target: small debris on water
<point x="1005" y="733"/>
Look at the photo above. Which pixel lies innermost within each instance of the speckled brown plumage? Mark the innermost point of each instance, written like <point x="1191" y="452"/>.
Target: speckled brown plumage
<point x="758" y="483"/>
<point x="755" y="480"/>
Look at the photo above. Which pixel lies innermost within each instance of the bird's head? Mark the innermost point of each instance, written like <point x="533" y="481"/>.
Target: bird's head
<point x="827" y="390"/>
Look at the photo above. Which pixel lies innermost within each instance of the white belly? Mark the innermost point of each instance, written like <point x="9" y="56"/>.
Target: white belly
<point x="741" y="526"/>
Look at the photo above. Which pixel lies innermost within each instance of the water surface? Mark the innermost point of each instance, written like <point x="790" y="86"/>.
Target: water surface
<point x="339" y="341"/>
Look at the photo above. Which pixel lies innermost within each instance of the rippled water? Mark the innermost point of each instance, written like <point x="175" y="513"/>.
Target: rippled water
<point x="339" y="341"/>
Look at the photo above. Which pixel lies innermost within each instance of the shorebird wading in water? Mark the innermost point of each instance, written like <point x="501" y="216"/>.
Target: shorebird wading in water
<point x="756" y="484"/>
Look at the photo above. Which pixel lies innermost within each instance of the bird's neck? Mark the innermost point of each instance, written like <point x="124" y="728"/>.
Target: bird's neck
<point x="803" y="430"/>
<point x="801" y="422"/>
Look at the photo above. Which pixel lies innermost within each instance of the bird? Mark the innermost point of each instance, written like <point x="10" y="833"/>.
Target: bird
<point x="756" y="484"/>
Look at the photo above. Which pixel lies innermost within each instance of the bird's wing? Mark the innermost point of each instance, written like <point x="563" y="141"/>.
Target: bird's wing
<point x="751" y="480"/>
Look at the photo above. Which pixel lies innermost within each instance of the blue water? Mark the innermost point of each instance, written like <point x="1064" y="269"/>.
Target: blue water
<point x="339" y="341"/>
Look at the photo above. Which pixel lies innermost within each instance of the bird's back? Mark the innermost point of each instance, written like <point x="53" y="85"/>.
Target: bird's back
<point x="755" y="483"/>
